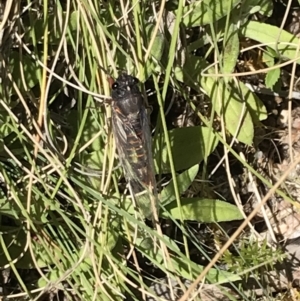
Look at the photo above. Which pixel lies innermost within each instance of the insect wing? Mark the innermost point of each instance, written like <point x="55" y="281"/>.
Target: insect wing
<point x="133" y="142"/>
<point x="121" y="128"/>
<point x="147" y="144"/>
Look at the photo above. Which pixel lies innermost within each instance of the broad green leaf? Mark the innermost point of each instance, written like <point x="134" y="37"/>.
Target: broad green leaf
<point x="237" y="117"/>
<point x="30" y="69"/>
<point x="226" y="101"/>
<point x="231" y="50"/>
<point x="203" y="12"/>
<point x="264" y="7"/>
<point x="14" y="240"/>
<point x="189" y="146"/>
<point x="268" y="58"/>
<point x="272" y="36"/>
<point x="203" y="210"/>
<point x="108" y="234"/>
<point x="184" y="180"/>
<point x="190" y="74"/>
<point x="93" y="161"/>
<point x="157" y="50"/>
<point x="113" y="233"/>
<point x="142" y="201"/>
<point x="13" y="207"/>
<point x="128" y="205"/>
<point x="255" y="106"/>
<point x="272" y="77"/>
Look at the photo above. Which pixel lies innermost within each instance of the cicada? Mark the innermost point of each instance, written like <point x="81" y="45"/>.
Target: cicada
<point x="131" y="129"/>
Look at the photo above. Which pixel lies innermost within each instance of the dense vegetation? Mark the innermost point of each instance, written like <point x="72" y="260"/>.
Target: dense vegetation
<point x="221" y="81"/>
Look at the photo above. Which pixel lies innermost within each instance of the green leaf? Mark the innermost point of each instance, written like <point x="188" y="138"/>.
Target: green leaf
<point x="6" y="128"/>
<point x="226" y="101"/>
<point x="268" y="58"/>
<point x="7" y="207"/>
<point x="189" y="145"/>
<point x="279" y="40"/>
<point x="157" y="50"/>
<point x="231" y="50"/>
<point x="94" y="161"/>
<point x="231" y="106"/>
<point x="272" y="77"/>
<point x="52" y="276"/>
<point x="30" y="69"/>
<point x="184" y="180"/>
<point x="142" y="201"/>
<point x="14" y="240"/>
<point x="109" y="231"/>
<point x="264" y="7"/>
<point x="13" y="208"/>
<point x="255" y="106"/>
<point x="200" y="13"/>
<point x="203" y="210"/>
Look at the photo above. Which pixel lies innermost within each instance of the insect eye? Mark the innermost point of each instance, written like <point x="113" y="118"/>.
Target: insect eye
<point x="115" y="86"/>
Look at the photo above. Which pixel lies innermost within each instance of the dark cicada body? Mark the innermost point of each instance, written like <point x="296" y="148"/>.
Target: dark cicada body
<point x="133" y="139"/>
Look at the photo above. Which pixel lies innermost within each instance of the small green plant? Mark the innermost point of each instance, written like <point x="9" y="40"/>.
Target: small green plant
<point x="250" y="257"/>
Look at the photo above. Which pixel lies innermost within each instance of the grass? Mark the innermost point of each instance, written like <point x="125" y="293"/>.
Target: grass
<point x="68" y="223"/>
